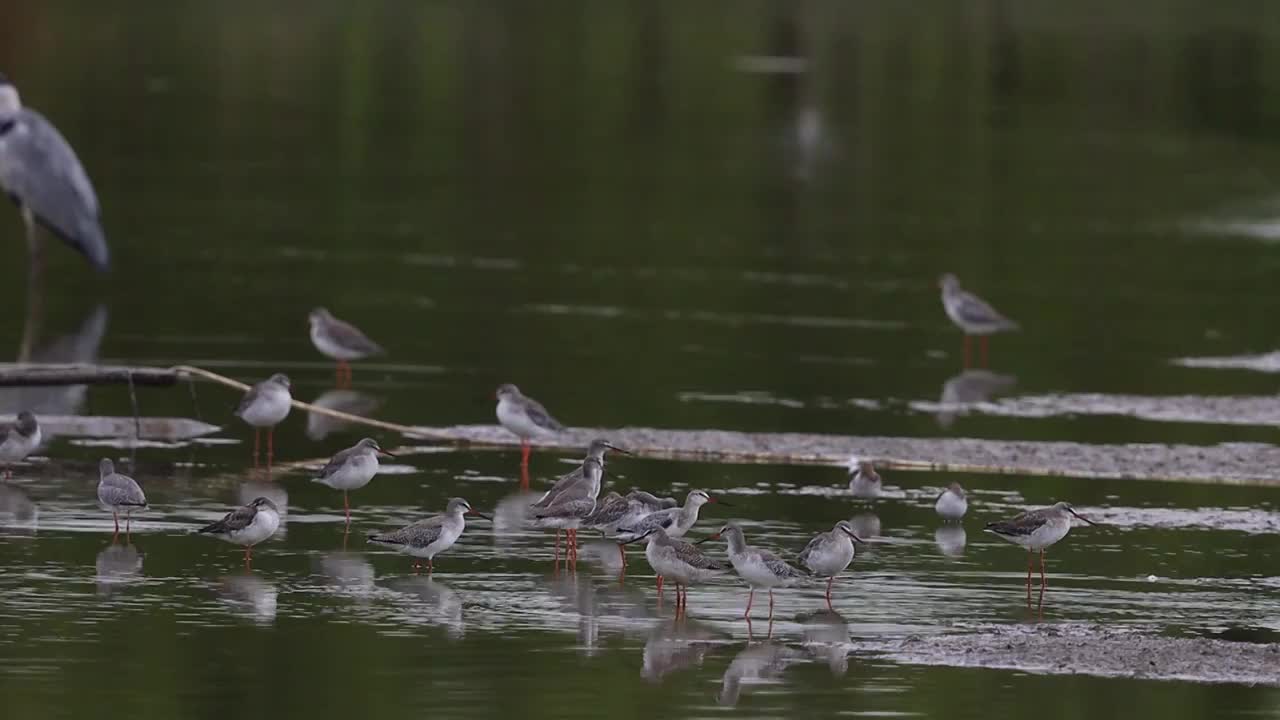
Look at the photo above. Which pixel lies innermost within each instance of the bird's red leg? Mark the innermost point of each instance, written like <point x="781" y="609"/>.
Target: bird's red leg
<point x="524" y="477"/>
<point x="525" y="449"/>
<point x="660" y="579"/>
<point x="346" y="506"/>
<point x="1030" y="562"/>
<point x="271" y="446"/>
<point x="771" y="606"/>
<point x="751" y="597"/>
<point x="829" y="581"/>
<point x="1042" y="571"/>
<point x="116" y="517"/>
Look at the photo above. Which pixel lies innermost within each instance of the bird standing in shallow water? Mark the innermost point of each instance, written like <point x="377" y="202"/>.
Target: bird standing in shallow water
<point x="430" y="537"/>
<point x="42" y="175"/>
<point x="952" y="503"/>
<point x="828" y="554"/>
<point x="1037" y="530"/>
<point x="583" y="482"/>
<point x="118" y="493"/>
<point x="759" y="568"/>
<point x="680" y="561"/>
<point x="524" y="417"/>
<point x="247" y="526"/>
<point x="864" y="481"/>
<point x="341" y="341"/>
<point x="266" y="405"/>
<point x="971" y="314"/>
<point x="352" y="469"/>
<point x="20" y="441"/>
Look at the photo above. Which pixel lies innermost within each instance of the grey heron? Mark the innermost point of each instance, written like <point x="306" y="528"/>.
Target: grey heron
<point x="42" y="175"/>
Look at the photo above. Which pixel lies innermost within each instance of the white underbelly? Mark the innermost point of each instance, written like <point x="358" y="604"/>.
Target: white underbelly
<point x="264" y="525"/>
<point x="354" y="475"/>
<point x="268" y="411"/>
<point x="518" y="423"/>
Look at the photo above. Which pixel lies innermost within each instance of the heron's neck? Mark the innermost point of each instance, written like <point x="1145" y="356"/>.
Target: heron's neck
<point x="10" y="103"/>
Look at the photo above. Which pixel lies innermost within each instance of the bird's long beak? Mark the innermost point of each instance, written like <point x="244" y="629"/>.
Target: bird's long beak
<point x="615" y="448"/>
<point x="477" y="512"/>
<point x="384" y="452"/>
<point x="637" y="539"/>
<point x="855" y="537"/>
<point x="709" y="537"/>
<point x="1073" y="512"/>
<point x="719" y="501"/>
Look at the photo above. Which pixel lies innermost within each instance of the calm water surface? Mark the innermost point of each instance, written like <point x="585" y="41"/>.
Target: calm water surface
<point x="724" y="215"/>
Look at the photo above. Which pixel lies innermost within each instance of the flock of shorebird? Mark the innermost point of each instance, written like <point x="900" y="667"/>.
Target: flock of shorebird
<point x="41" y="173"/>
<point x="573" y="502"/>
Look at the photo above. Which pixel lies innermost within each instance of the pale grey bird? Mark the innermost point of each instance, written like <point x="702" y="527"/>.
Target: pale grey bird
<point x="118" y="493"/>
<point x="680" y="561"/>
<point x="352" y="469"/>
<point x="427" y="538"/>
<point x="759" y="568"/>
<point x="971" y="314"/>
<point x="829" y="553"/>
<point x="341" y="341"/>
<point x="20" y="441"/>
<point x="524" y="417"/>
<point x="42" y="175"/>
<point x="247" y="525"/>
<point x="1036" y="530"/>
<point x="266" y="405"/>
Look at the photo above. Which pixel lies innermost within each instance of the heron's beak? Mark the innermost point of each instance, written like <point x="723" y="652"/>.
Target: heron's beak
<point x="709" y="537"/>
<point x="1073" y="512"/>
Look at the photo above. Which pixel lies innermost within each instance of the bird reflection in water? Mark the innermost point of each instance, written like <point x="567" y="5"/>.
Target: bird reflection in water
<point x="437" y="603"/>
<point x="348" y="573"/>
<point x="673" y="647"/>
<point x="826" y="637"/>
<point x="950" y="539"/>
<point x="17" y="510"/>
<point x="970" y="387"/>
<point x="348" y="401"/>
<point x="79" y="346"/>
<point x="251" y="595"/>
<point x="865" y="525"/>
<point x="758" y="662"/>
<point x="116" y="565"/>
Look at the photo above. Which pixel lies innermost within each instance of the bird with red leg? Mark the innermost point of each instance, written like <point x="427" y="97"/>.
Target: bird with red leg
<point x="525" y="418"/>
<point x="341" y="341"/>
<point x="352" y="469"/>
<point x="118" y="494"/>
<point x="828" y="554"/>
<point x="264" y="406"/>
<point x="582" y="483"/>
<point x="427" y="538"/>
<point x="1036" y="530"/>
<point x="972" y="314"/>
<point x="246" y="526"/>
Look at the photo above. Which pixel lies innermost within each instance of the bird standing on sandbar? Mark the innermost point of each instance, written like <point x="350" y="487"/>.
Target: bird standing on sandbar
<point x="430" y="537"/>
<point x="828" y="554"/>
<point x="972" y="314"/>
<point x="247" y="526"/>
<point x="118" y="493"/>
<point x="759" y="568"/>
<point x="340" y="341"/>
<point x="352" y="469"/>
<point x="20" y="441"/>
<point x="524" y="417"/>
<point x="1037" y="530"/>
<point x="684" y="563"/>
<point x="266" y="405"/>
<point x="42" y="175"/>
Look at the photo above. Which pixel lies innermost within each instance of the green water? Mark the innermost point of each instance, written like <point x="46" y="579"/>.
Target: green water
<point x="610" y="205"/>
